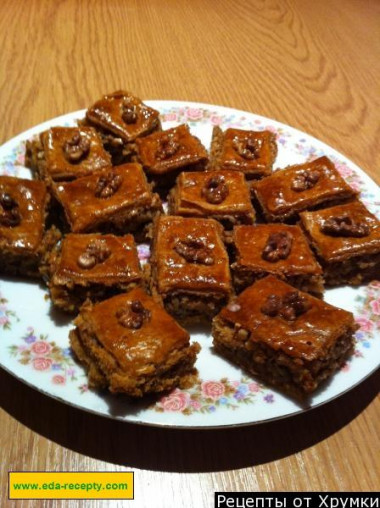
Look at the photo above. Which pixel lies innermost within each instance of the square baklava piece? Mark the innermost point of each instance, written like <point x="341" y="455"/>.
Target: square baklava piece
<point x="130" y="344"/>
<point x="23" y="239"/>
<point x="93" y="267"/>
<point x="120" y="118"/>
<point x="287" y="192"/>
<point x="285" y="337"/>
<point x="65" y="153"/>
<point x="346" y="240"/>
<point x="251" y="152"/>
<point x="277" y="249"/>
<point x="165" y="154"/>
<point x="190" y="267"/>
<point x="117" y="200"/>
<point x="223" y="196"/>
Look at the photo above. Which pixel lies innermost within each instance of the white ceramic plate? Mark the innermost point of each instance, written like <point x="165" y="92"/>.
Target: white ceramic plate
<point x="34" y="343"/>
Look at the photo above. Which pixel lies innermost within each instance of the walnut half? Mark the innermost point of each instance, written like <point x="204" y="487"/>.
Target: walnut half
<point x="107" y="185"/>
<point x="167" y="146"/>
<point x="9" y="211"/>
<point x="343" y="225"/>
<point x="76" y="148"/>
<point x="194" y="251"/>
<point x="278" y="246"/>
<point x="128" y="112"/>
<point x="215" y="190"/>
<point x="247" y="148"/>
<point x="133" y="315"/>
<point x="305" y="180"/>
<point x="96" y="252"/>
<point x="288" y="307"/>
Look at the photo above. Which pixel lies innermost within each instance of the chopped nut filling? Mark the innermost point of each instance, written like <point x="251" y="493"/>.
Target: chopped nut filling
<point x="215" y="190"/>
<point x="194" y="251"/>
<point x="9" y="211"/>
<point x="278" y="246"/>
<point x="76" y="148"/>
<point x="133" y="315"/>
<point x="107" y="185"/>
<point x="289" y="307"/>
<point x="96" y="252"/>
<point x="248" y="148"/>
<point x="168" y="146"/>
<point x="305" y="180"/>
<point x="344" y="226"/>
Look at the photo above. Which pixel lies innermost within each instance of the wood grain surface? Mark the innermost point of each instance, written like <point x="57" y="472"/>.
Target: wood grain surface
<point x="311" y="64"/>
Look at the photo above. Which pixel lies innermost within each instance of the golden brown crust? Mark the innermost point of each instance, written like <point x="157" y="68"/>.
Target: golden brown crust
<point x="173" y="272"/>
<point x="58" y="166"/>
<point x="31" y="198"/>
<point x="188" y="152"/>
<point x="153" y="356"/>
<point x="121" y="265"/>
<point x="298" y="267"/>
<point x="225" y="155"/>
<point x="281" y="202"/>
<point x="338" y="248"/>
<point x="93" y="267"/>
<point x="131" y="203"/>
<point x="109" y="114"/>
<point x="189" y="197"/>
<point x="309" y="336"/>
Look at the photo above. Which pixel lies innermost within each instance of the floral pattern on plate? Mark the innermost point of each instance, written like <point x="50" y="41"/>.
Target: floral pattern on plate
<point x="368" y="316"/>
<point x="6" y="314"/>
<point x="45" y="356"/>
<point x="208" y="396"/>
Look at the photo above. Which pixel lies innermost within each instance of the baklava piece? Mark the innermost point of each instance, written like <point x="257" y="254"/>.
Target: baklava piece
<point x="165" y="154"/>
<point x="65" y="153"/>
<point x="223" y="196"/>
<point x="190" y="267"/>
<point x="276" y="249"/>
<point x="23" y="239"/>
<point x="120" y="118"/>
<point x="285" y="337"/>
<point x="117" y="200"/>
<point x="286" y="193"/>
<point x="346" y="240"/>
<point x="129" y="344"/>
<point x="251" y="152"/>
<point x="93" y="267"/>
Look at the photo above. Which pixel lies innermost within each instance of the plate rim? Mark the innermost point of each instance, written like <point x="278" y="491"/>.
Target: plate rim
<point x="14" y="141"/>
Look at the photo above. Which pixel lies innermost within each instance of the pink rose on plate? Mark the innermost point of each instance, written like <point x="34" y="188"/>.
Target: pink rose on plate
<point x="195" y="404"/>
<point x="254" y="387"/>
<point x="171" y="117"/>
<point x="216" y="119"/>
<point x="271" y="128"/>
<point x="40" y="348"/>
<point x="58" y="380"/>
<point x="355" y="186"/>
<point x="213" y="389"/>
<point x="41" y="363"/>
<point x="344" y="170"/>
<point x="375" y="306"/>
<point x="194" y="114"/>
<point x="365" y="324"/>
<point x="177" y="401"/>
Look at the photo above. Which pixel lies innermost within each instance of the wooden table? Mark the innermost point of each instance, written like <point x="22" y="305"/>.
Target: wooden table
<point x="312" y="65"/>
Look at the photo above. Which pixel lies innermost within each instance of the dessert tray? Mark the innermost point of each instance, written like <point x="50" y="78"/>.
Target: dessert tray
<point x="34" y="344"/>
